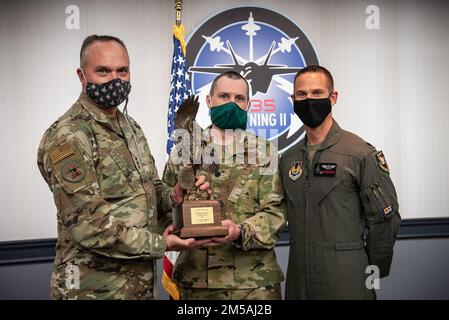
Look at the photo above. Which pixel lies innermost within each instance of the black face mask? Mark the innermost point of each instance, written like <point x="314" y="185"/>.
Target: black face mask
<point x="109" y="94"/>
<point x="312" y="112"/>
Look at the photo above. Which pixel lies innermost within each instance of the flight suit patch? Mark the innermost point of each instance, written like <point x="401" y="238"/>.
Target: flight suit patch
<point x="325" y="169"/>
<point x="388" y="210"/>
<point x="295" y="170"/>
<point x="382" y="162"/>
<point x="73" y="171"/>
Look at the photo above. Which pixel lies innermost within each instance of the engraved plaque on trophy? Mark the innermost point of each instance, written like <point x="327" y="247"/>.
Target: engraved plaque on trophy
<point x="196" y="218"/>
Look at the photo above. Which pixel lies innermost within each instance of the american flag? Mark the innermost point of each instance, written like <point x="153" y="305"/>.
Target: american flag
<point x="180" y="82"/>
<point x="179" y="91"/>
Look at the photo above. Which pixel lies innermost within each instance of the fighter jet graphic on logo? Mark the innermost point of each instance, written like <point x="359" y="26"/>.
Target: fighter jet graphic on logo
<point x="268" y="50"/>
<point x="260" y="72"/>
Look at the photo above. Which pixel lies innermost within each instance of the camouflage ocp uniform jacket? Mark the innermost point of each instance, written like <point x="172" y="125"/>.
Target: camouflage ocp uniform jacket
<point x="108" y="196"/>
<point x="250" y="200"/>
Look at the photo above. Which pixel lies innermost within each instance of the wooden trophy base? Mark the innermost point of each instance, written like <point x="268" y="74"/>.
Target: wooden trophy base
<point x="206" y="232"/>
<point x="199" y="219"/>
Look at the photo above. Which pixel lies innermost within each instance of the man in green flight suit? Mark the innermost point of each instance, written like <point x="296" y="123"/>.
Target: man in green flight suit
<point x="337" y="187"/>
<point x="243" y="264"/>
<point x="110" y="201"/>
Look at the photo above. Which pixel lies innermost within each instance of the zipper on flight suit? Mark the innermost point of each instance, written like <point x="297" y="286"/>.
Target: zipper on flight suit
<point x="379" y="196"/>
<point x="306" y="186"/>
<point x="385" y="202"/>
<point x="375" y="192"/>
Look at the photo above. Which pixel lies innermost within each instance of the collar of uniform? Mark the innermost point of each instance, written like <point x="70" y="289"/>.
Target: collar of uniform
<point x="97" y="113"/>
<point x="332" y="137"/>
<point x="125" y="126"/>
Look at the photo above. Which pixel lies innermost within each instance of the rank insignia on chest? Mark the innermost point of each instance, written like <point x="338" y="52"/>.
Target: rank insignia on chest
<point x="295" y="170"/>
<point x="325" y="170"/>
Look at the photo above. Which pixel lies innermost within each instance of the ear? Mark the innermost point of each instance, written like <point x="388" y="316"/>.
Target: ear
<point x="334" y="97"/>
<point x="83" y="80"/>
<point x="208" y="101"/>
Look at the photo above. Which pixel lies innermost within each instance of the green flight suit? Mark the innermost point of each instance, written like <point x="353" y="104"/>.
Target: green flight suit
<point x="347" y="192"/>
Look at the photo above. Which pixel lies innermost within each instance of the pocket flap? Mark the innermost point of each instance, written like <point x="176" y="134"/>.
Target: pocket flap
<point x="351" y="245"/>
<point x="239" y="184"/>
<point x="331" y="187"/>
<point x="124" y="161"/>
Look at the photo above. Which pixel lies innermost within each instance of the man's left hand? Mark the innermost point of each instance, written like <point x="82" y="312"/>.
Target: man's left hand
<point x="177" y="195"/>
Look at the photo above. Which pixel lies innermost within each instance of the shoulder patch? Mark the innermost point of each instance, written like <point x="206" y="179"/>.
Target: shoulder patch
<point x="382" y="163"/>
<point x="73" y="171"/>
<point x="70" y="168"/>
<point x="61" y="152"/>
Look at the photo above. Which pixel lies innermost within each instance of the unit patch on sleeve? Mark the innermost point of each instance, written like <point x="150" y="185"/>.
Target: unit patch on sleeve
<point x="382" y="162"/>
<point x="73" y="171"/>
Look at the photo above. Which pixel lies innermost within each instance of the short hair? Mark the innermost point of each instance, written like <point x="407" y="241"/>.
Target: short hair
<point x="231" y="75"/>
<point x="317" y="69"/>
<point x="91" y="39"/>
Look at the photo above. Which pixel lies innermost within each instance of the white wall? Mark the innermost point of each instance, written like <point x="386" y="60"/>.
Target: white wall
<point x="392" y="82"/>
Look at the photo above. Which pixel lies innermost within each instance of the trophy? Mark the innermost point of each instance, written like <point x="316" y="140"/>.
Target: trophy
<point x="198" y="216"/>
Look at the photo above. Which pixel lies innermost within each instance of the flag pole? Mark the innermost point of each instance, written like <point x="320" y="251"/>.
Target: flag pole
<point x="180" y="90"/>
<point x="178" y="8"/>
<point x="178" y="28"/>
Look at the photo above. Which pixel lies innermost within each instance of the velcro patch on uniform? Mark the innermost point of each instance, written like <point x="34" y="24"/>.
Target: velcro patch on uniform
<point x="61" y="152"/>
<point x="73" y="171"/>
<point x="70" y="168"/>
<point x="382" y="162"/>
<point x="295" y="170"/>
<point x="325" y="169"/>
<point x="388" y="210"/>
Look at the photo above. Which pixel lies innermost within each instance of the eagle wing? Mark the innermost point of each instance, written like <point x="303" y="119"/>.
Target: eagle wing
<point x="186" y="113"/>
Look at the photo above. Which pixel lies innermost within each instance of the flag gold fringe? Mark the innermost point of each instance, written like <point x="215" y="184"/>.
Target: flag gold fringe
<point x="178" y="33"/>
<point x="170" y="286"/>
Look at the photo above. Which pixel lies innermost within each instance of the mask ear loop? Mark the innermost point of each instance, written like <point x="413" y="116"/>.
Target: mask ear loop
<point x="132" y="128"/>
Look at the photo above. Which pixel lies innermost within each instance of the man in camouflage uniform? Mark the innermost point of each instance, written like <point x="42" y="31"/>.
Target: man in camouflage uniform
<point x="243" y="264"/>
<point x="337" y="187"/>
<point x="108" y="195"/>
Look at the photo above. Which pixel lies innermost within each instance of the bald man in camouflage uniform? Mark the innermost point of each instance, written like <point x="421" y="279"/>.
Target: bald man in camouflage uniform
<point x="243" y="265"/>
<point x="106" y="188"/>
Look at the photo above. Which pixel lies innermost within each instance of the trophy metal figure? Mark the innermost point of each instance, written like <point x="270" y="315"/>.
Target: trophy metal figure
<point x="199" y="215"/>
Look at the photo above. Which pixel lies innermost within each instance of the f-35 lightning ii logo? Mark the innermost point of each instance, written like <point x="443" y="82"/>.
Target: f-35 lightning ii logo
<point x="268" y="50"/>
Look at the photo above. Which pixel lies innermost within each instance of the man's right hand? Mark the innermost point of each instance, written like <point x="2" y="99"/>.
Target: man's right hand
<point x="175" y="243"/>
